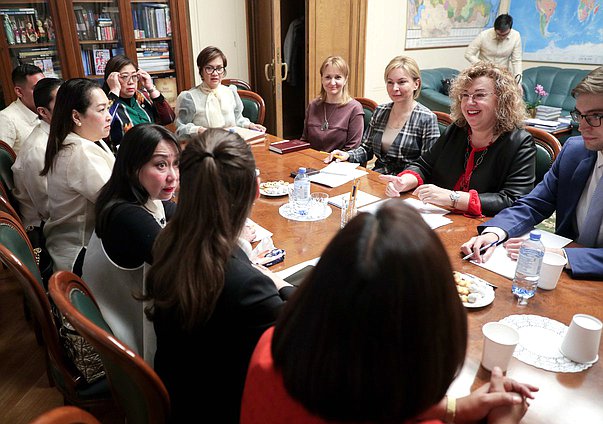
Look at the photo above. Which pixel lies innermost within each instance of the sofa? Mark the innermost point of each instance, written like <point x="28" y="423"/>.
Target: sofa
<point x="558" y="82"/>
<point x="432" y="93"/>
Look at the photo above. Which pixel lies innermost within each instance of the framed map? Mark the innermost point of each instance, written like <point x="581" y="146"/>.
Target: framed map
<point x="567" y="31"/>
<point x="447" y="23"/>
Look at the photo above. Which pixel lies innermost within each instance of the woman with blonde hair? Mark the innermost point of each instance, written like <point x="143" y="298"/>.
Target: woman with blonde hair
<point x="334" y="120"/>
<point x="400" y="131"/>
<point x="484" y="161"/>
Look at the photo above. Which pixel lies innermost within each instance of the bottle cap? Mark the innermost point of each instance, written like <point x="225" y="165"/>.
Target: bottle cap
<point x="535" y="235"/>
<point x="301" y="170"/>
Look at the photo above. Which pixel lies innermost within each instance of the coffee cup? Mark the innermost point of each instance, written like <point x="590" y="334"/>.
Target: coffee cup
<point x="499" y="344"/>
<point x="581" y="342"/>
<point x="552" y="266"/>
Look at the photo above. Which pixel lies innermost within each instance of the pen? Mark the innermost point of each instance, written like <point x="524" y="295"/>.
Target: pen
<point x="482" y="250"/>
<point x="335" y="155"/>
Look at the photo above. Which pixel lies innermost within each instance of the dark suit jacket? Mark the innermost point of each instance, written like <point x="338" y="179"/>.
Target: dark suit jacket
<point x="505" y="174"/>
<point x="204" y="371"/>
<point x="559" y="192"/>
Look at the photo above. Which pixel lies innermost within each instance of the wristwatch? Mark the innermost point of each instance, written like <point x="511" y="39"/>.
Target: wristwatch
<point x="454" y="198"/>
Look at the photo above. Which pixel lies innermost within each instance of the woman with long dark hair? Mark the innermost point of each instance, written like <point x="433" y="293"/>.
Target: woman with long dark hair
<point x="210" y="304"/>
<point x="375" y="335"/>
<point x="77" y="164"/>
<point x="131" y="210"/>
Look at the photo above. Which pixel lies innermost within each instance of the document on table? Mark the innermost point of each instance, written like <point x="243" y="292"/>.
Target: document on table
<point x="337" y="173"/>
<point x="362" y="199"/>
<point x="431" y="214"/>
<point x="502" y="264"/>
<point x="294" y="268"/>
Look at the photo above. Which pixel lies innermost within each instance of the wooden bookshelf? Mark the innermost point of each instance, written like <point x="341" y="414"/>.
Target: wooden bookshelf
<point x="92" y="31"/>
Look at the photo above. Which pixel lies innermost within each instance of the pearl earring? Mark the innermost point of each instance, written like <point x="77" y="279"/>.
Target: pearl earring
<point x="79" y="124"/>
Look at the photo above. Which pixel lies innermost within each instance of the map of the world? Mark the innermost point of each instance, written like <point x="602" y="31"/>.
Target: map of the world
<point x="569" y="31"/>
<point x="445" y="23"/>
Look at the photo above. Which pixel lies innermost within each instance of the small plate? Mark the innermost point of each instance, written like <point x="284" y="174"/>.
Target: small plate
<point x="487" y="291"/>
<point x="274" y="188"/>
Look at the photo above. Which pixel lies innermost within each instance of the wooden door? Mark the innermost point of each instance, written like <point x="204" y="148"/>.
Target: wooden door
<point x="265" y="59"/>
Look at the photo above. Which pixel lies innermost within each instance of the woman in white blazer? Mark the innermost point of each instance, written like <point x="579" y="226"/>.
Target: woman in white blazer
<point x="77" y="164"/>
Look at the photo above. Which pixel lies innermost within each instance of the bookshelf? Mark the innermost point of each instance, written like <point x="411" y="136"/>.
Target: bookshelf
<point x="153" y="33"/>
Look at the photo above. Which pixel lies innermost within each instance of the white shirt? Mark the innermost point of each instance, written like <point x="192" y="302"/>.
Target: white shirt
<point x="30" y="188"/>
<point x="16" y="123"/>
<point x="587" y="195"/>
<point x="191" y="113"/>
<point x="80" y="170"/>
<point x="504" y="52"/>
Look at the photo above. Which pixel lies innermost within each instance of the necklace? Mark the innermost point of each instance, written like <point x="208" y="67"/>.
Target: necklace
<point x="471" y="163"/>
<point x="325" y="123"/>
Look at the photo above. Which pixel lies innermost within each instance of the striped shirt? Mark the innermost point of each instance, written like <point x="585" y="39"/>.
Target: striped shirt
<point x="417" y="135"/>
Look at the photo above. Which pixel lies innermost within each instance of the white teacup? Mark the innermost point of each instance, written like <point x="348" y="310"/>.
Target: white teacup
<point x="552" y="266"/>
<point x="499" y="344"/>
<point x="581" y="342"/>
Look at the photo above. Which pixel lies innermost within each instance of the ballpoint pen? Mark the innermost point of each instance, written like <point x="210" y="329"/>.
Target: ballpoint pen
<point x="335" y="155"/>
<point x="482" y="249"/>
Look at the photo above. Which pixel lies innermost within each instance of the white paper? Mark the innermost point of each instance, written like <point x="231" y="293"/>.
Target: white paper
<point x="432" y="215"/>
<point x="502" y="264"/>
<point x="337" y="173"/>
<point x="260" y="232"/>
<point x="362" y="199"/>
<point x="293" y="269"/>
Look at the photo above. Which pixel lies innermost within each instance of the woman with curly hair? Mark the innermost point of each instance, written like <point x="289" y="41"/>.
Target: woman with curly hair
<point x="484" y="161"/>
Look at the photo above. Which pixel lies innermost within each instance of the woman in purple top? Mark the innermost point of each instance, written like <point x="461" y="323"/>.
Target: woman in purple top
<point x="334" y="120"/>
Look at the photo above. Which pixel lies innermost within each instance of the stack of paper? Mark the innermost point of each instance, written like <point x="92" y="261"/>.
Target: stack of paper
<point x="432" y="215"/>
<point x="337" y="173"/>
<point x="362" y="199"/>
<point x="502" y="264"/>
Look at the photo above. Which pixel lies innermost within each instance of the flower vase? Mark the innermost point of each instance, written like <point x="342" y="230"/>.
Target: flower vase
<point x="532" y="112"/>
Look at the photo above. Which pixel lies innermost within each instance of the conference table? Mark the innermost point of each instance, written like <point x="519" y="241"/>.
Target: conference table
<point x="563" y="397"/>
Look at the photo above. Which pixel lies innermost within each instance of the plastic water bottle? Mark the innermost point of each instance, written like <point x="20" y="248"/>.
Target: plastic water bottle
<point x="527" y="273"/>
<point x="301" y="190"/>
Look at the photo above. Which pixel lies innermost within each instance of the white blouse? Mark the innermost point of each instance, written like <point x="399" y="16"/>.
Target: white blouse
<point x="80" y="170"/>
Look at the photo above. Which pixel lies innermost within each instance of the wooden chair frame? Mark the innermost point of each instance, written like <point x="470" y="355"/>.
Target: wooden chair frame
<point x="62" y="286"/>
<point x="367" y="103"/>
<point x="237" y="82"/>
<point x="546" y="140"/>
<point x="250" y="95"/>
<point x="443" y="117"/>
<point x="57" y="362"/>
<point x="66" y="415"/>
<point x="7" y="148"/>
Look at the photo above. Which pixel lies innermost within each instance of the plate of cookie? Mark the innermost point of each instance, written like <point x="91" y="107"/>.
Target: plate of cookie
<point x="274" y="188"/>
<point x="473" y="291"/>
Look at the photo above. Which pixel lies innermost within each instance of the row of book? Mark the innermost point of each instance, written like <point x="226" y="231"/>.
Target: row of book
<point x="45" y="59"/>
<point x="151" y="20"/>
<point x="90" y="25"/>
<point x="154" y="56"/>
<point x="95" y="60"/>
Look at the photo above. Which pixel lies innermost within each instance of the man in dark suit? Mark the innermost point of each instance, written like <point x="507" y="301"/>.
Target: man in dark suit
<point x="569" y="189"/>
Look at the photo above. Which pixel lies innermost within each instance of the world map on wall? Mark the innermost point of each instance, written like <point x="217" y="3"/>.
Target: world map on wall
<point x="445" y="23"/>
<point x="569" y="31"/>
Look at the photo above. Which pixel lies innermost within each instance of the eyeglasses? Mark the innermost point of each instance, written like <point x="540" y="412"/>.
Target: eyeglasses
<point x="128" y="77"/>
<point x="594" y="119"/>
<point x="477" y="97"/>
<point x="210" y="70"/>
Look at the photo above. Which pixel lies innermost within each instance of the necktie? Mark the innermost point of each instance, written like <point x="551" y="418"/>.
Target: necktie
<point x="592" y="223"/>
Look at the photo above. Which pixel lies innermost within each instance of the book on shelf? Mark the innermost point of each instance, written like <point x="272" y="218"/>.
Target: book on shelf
<point x="151" y="20"/>
<point x="101" y="57"/>
<point x="169" y="88"/>
<point x="288" y="146"/>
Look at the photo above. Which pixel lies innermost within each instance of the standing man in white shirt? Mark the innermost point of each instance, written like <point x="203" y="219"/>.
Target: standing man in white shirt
<point x="19" y="118"/>
<point x="500" y="45"/>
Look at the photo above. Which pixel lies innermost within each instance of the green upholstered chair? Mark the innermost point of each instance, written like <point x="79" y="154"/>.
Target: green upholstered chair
<point x="254" y="107"/>
<point x="444" y="120"/>
<point x="16" y="253"/>
<point x="239" y="83"/>
<point x="547" y="149"/>
<point x="432" y="93"/>
<point x="368" y="106"/>
<point x="135" y="385"/>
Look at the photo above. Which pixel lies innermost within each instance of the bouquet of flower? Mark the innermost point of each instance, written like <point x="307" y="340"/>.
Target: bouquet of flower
<point x="539" y="90"/>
